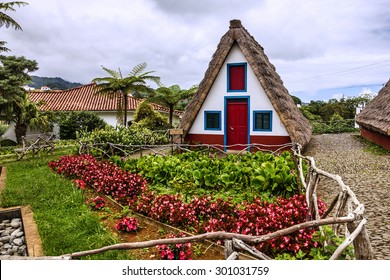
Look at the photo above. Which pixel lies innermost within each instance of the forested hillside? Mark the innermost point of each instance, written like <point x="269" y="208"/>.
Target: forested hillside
<point x="53" y="83"/>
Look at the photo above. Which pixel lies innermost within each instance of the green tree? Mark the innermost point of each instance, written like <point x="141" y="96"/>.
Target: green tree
<point x="27" y="114"/>
<point x="170" y="97"/>
<point x="7" y="21"/>
<point x="15" y="105"/>
<point x="74" y="122"/>
<point x="297" y="100"/>
<point x="146" y="116"/>
<point x="135" y="83"/>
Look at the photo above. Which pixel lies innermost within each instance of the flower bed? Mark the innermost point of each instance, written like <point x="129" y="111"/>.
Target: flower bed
<point x="104" y="177"/>
<point x="200" y="214"/>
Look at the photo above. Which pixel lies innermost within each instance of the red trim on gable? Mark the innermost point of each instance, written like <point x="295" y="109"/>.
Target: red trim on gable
<point x="377" y="138"/>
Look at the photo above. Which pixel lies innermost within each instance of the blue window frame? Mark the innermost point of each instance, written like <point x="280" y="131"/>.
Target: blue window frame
<point x="237" y="77"/>
<point x="262" y="120"/>
<point x="212" y="120"/>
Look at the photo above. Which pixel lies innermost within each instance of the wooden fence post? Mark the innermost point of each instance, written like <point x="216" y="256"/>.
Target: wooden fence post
<point x="362" y="245"/>
<point x="228" y="248"/>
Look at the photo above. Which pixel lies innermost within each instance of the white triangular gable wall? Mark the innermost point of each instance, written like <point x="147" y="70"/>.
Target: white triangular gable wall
<point x="258" y="100"/>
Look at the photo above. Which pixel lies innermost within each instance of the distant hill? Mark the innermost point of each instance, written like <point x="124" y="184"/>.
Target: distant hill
<point x="52" y="83"/>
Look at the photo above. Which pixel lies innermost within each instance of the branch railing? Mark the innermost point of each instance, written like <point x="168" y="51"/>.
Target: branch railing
<point x="108" y="149"/>
<point x="347" y="209"/>
<point x="344" y="202"/>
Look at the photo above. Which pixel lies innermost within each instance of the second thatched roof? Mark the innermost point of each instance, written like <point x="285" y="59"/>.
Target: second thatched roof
<point x="297" y="126"/>
<point x="376" y="116"/>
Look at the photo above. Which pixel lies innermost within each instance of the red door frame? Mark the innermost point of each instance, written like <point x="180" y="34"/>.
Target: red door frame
<point x="237" y="125"/>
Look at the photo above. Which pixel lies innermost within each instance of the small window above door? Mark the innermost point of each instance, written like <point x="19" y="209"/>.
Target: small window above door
<point x="236" y="77"/>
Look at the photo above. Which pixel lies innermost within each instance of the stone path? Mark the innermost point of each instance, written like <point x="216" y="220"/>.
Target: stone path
<point x="366" y="174"/>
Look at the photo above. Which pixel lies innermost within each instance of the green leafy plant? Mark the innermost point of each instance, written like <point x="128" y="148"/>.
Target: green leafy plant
<point x="134" y="135"/>
<point x="243" y="177"/>
<point x="73" y="123"/>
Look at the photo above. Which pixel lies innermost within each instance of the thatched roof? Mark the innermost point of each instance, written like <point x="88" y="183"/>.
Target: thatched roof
<point x="376" y="116"/>
<point x="295" y="123"/>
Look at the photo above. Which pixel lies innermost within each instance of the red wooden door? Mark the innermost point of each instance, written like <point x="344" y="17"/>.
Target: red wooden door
<point x="237" y="123"/>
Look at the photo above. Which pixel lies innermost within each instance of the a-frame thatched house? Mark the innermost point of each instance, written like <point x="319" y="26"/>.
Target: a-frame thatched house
<point x="242" y="100"/>
<point x="374" y="120"/>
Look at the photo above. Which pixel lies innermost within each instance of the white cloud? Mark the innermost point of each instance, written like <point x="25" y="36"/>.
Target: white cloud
<point x="313" y="44"/>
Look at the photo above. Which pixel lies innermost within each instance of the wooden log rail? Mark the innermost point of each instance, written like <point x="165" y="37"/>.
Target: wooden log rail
<point x="220" y="235"/>
<point x="35" y="144"/>
<point x="345" y="202"/>
<point x="109" y="149"/>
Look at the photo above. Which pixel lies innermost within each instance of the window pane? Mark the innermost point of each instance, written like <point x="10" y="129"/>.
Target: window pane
<point x="258" y="121"/>
<point x="212" y="120"/>
<point x="262" y="121"/>
<point x="266" y="121"/>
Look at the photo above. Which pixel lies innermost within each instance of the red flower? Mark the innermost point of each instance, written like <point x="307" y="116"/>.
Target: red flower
<point x="80" y="184"/>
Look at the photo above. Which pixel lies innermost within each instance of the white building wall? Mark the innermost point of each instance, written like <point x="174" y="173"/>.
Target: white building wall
<point x="215" y="100"/>
<point x="108" y="117"/>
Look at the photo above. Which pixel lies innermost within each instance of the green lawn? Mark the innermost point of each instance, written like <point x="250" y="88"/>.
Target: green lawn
<point x="64" y="222"/>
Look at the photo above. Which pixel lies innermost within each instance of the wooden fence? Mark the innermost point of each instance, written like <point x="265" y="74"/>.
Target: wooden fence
<point x="107" y="150"/>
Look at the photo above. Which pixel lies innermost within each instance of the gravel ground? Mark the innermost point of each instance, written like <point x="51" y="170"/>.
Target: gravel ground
<point x="366" y="174"/>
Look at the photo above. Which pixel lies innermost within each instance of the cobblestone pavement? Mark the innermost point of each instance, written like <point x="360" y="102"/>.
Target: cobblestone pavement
<point x="368" y="175"/>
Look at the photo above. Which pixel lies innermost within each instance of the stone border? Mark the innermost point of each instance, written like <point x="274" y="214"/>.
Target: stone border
<point x="33" y="239"/>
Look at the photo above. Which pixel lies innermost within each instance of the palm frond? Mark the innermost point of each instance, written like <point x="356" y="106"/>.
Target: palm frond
<point x="138" y="69"/>
<point x="113" y="73"/>
<point x="3" y="48"/>
<point x="6" y="20"/>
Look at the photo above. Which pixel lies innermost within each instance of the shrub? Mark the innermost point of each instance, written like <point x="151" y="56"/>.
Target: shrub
<point x="134" y="135"/>
<point x="79" y="122"/>
<point x="7" y="143"/>
<point x="175" y="251"/>
<point x="127" y="224"/>
<point x="97" y="203"/>
<point x="3" y="129"/>
<point x="146" y="116"/>
<point x="127" y="136"/>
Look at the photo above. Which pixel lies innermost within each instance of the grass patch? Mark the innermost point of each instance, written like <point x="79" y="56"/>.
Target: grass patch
<point x="64" y="222"/>
<point x="372" y="147"/>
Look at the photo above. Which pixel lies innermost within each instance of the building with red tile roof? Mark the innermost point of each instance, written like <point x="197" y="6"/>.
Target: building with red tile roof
<point x="85" y="98"/>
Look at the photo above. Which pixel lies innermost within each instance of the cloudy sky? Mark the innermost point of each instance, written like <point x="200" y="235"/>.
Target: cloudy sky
<point x="317" y="46"/>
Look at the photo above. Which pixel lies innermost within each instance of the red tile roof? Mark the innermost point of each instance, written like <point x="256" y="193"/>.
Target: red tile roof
<point x="84" y="98"/>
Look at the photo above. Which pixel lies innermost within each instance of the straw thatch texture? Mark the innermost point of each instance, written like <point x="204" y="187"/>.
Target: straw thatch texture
<point x="376" y="116"/>
<point x="295" y="123"/>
